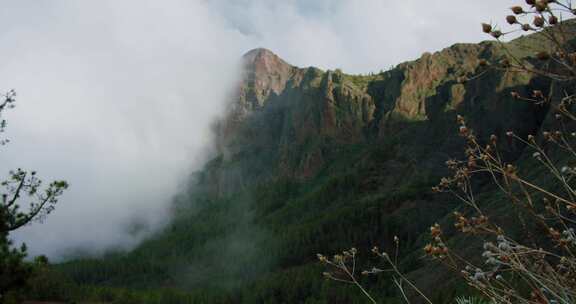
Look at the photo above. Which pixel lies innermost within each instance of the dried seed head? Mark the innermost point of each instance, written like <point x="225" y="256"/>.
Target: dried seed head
<point x="517" y="10"/>
<point x="496" y="34"/>
<point x="526" y="27"/>
<point x="428" y="248"/>
<point x="553" y="20"/>
<point x="471" y="162"/>
<point x="541" y="5"/>
<point x="482" y="219"/>
<point x="460" y="119"/>
<point x="486" y="28"/>
<point x="538" y="21"/>
<point x="338" y="258"/>
<point x="511" y="19"/>
<point x="493" y="139"/>
<point x="554" y="233"/>
<point x="510" y="169"/>
<point x="435" y="230"/>
<point x="537" y="94"/>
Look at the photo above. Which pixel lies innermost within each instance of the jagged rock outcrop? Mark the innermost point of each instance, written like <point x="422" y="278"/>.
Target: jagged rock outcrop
<point x="264" y="74"/>
<point x="289" y="122"/>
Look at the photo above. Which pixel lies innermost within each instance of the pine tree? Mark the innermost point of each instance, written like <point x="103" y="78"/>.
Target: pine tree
<point x="20" y="187"/>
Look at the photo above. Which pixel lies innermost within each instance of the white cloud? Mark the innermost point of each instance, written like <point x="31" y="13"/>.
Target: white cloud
<point x="117" y="101"/>
<point x="360" y="36"/>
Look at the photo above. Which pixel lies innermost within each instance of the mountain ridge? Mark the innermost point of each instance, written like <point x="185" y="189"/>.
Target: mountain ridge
<point x="294" y="110"/>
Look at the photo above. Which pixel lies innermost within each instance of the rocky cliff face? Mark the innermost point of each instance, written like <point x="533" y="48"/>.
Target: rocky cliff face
<point x="265" y="74"/>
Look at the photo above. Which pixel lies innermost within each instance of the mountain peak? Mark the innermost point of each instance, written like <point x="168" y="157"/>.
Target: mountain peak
<point x="264" y="58"/>
<point x="259" y="51"/>
<point x="264" y="73"/>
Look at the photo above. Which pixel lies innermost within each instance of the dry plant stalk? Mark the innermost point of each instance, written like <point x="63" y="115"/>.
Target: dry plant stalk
<point x="343" y="269"/>
<point x="537" y="269"/>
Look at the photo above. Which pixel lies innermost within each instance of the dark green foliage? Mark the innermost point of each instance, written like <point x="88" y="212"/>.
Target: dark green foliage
<point x="14" y="272"/>
<point x="259" y="245"/>
<point x="20" y="186"/>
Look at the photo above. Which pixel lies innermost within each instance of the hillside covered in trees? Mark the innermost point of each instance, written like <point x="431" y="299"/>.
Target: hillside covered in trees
<point x="311" y="161"/>
<point x="316" y="161"/>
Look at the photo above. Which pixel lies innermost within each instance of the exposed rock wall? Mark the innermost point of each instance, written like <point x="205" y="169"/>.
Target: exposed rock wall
<point x="288" y="121"/>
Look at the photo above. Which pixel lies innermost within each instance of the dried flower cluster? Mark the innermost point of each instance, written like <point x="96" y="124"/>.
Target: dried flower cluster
<point x="344" y="269"/>
<point x="539" y="266"/>
<point x="547" y="273"/>
<point x="543" y="17"/>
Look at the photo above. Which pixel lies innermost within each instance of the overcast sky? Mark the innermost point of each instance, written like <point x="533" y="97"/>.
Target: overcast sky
<point x="116" y="96"/>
